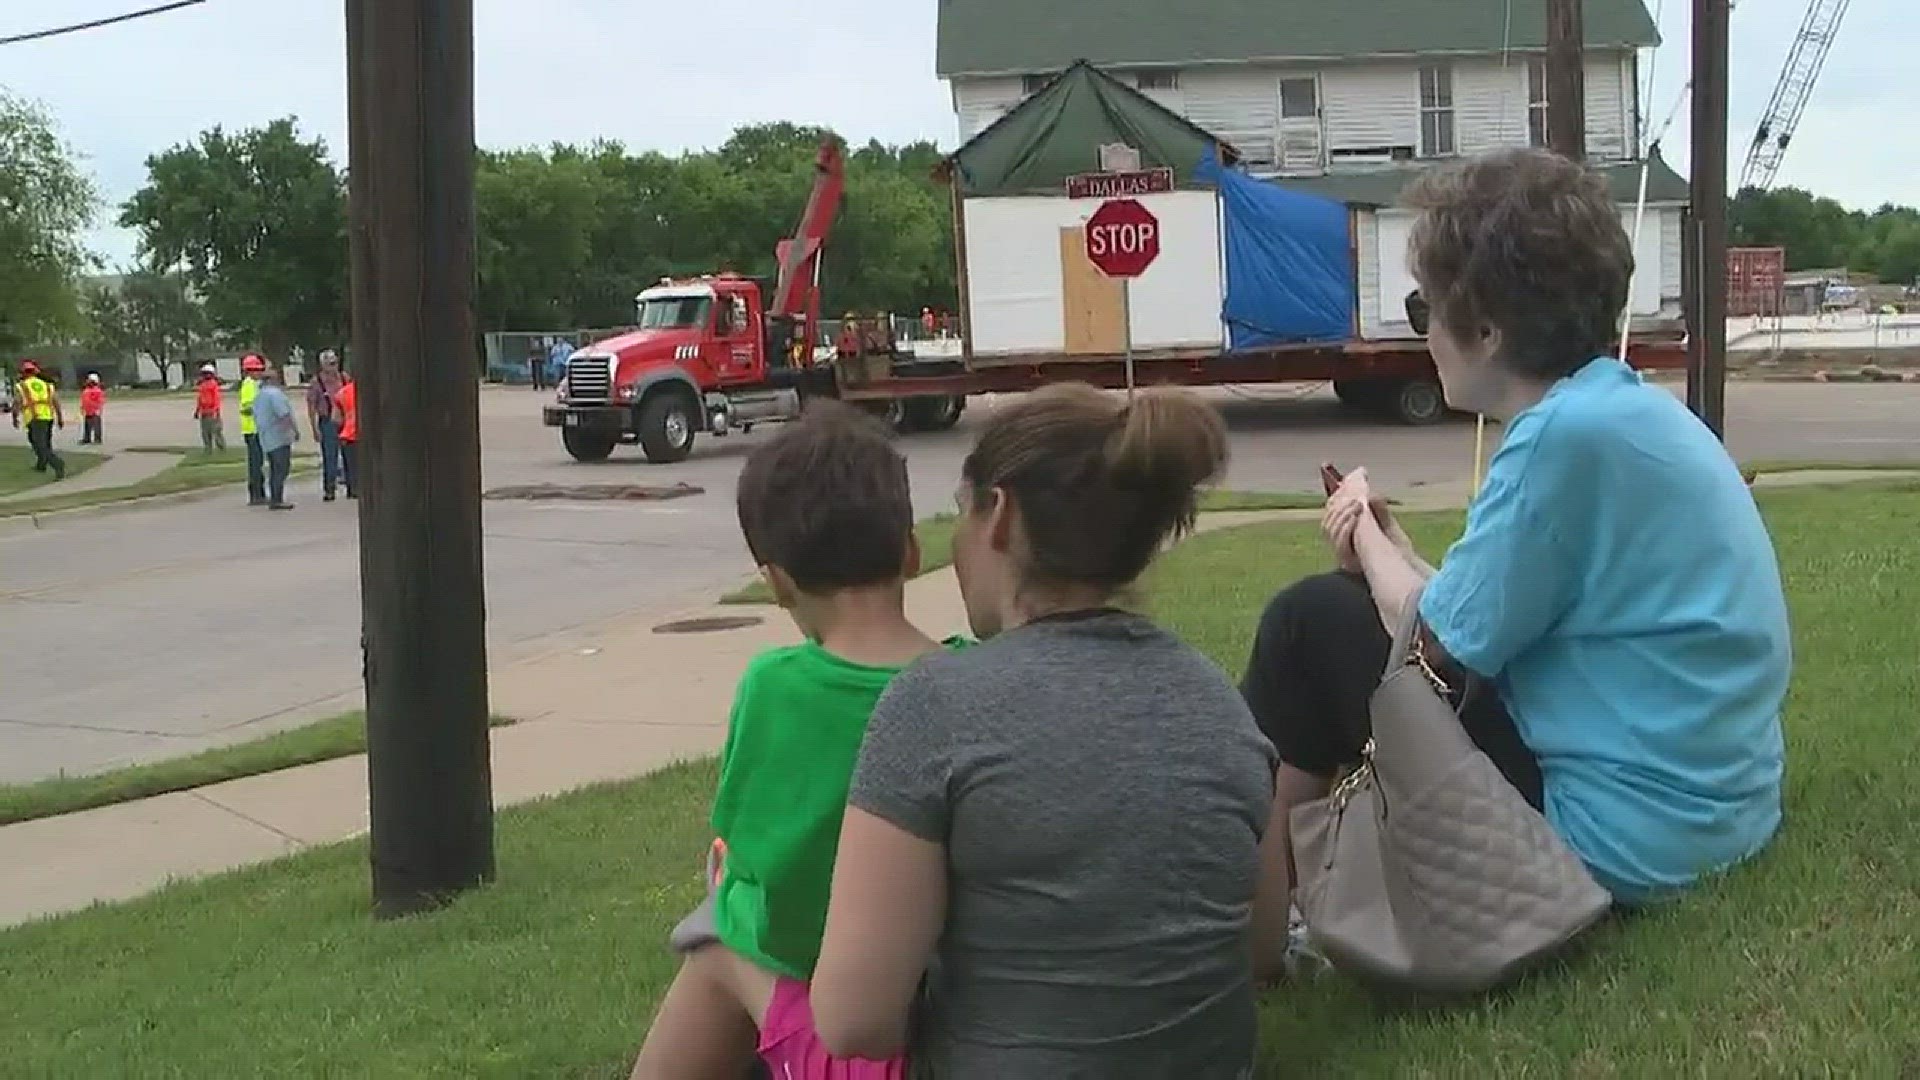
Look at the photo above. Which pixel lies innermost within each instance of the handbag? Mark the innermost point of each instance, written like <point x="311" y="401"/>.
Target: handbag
<point x="1424" y="869"/>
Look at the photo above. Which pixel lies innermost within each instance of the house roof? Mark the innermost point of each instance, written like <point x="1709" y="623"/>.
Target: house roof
<point x="1057" y="133"/>
<point x="1382" y="187"/>
<point x="1004" y="37"/>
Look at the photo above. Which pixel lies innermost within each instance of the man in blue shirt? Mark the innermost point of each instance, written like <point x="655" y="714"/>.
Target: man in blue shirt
<point x="557" y="358"/>
<point x="279" y="431"/>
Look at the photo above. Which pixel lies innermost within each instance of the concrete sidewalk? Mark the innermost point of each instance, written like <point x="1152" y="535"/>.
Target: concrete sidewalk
<point x="119" y="470"/>
<point x="621" y="701"/>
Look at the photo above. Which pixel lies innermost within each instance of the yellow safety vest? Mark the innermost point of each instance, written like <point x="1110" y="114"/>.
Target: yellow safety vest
<point x="36" y="398"/>
<point x="249" y="389"/>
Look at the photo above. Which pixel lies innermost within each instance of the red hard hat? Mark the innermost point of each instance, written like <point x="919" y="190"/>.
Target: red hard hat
<point x="250" y="362"/>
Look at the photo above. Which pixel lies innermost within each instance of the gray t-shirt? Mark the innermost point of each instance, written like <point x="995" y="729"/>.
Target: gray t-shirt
<point x="1101" y="790"/>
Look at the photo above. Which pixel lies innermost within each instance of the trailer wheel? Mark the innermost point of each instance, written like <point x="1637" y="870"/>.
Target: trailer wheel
<point x="668" y="419"/>
<point x="585" y="447"/>
<point x="1360" y="395"/>
<point x="892" y="412"/>
<point x="1418" y="402"/>
<point x="934" y="413"/>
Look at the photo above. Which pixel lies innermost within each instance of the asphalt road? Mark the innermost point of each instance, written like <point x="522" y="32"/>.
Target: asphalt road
<point x="148" y="632"/>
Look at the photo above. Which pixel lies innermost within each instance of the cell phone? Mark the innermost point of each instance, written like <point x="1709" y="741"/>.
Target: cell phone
<point x="1331" y="478"/>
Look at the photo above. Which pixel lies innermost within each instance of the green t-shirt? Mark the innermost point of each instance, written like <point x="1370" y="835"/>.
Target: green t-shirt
<point x="798" y="718"/>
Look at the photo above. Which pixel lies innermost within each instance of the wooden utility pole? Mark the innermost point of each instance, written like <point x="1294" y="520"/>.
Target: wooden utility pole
<point x="411" y="151"/>
<point x="1707" y="334"/>
<point x="1566" y="79"/>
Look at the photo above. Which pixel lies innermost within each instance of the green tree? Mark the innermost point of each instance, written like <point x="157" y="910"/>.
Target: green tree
<point x="257" y="219"/>
<point x="46" y="204"/>
<point x="151" y="313"/>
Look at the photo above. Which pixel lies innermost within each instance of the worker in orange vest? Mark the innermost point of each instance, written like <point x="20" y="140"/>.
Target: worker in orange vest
<point x="347" y="401"/>
<point x="93" y="405"/>
<point x="206" y="409"/>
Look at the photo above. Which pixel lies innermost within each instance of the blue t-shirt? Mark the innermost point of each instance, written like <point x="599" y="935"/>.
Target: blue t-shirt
<point x="1618" y="585"/>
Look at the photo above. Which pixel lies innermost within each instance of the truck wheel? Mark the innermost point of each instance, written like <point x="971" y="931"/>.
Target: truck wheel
<point x="934" y="413"/>
<point x="1418" y="402"/>
<point x="585" y="447"/>
<point x="667" y="422"/>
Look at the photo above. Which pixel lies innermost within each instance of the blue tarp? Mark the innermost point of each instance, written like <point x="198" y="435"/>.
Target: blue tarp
<point x="1289" y="263"/>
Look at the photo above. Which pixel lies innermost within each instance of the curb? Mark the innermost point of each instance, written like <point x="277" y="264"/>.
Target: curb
<point x="17" y="524"/>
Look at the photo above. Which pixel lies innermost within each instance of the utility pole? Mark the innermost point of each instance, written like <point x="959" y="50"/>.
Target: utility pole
<point x="1566" y="80"/>
<point x="411" y="162"/>
<point x="1707" y="336"/>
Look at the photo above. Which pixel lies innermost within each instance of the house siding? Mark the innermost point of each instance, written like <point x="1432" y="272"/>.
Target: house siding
<point x="1364" y="104"/>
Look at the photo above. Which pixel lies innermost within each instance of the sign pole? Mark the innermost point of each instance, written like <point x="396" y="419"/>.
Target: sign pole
<point x="1126" y="321"/>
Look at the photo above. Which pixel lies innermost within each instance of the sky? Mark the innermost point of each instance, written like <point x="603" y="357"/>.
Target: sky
<point x="673" y="77"/>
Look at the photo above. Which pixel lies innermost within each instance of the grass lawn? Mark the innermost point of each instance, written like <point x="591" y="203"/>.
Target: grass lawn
<point x="194" y="472"/>
<point x="936" y="534"/>
<point x="1802" y="964"/>
<point x="1766" y="465"/>
<point x="16" y="467"/>
<point x="324" y="740"/>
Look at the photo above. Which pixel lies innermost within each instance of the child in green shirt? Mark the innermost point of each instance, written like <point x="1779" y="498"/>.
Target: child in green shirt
<point x="828" y="516"/>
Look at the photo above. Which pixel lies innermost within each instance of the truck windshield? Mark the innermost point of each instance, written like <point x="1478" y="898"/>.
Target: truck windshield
<point x="675" y="312"/>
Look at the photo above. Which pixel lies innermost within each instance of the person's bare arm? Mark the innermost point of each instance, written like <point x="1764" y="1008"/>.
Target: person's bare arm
<point x="889" y="905"/>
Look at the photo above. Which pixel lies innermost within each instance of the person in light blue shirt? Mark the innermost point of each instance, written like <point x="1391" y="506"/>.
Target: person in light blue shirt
<point x="1614" y="610"/>
<point x="279" y="431"/>
<point x="557" y="357"/>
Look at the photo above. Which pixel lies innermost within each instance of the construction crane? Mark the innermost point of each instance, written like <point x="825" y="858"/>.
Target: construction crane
<point x="1777" y="124"/>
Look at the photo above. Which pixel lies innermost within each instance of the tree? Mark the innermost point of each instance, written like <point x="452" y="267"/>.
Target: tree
<point x="151" y="313"/>
<point x="257" y="219"/>
<point x="46" y="204"/>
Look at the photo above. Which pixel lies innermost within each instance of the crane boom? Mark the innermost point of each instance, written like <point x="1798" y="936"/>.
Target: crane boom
<point x="1777" y="124"/>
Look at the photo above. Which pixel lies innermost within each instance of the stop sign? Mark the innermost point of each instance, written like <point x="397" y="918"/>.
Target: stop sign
<point x="1123" y="238"/>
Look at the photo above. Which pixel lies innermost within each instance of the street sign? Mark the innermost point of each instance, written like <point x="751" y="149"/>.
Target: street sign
<point x="1123" y="239"/>
<point x="1119" y="185"/>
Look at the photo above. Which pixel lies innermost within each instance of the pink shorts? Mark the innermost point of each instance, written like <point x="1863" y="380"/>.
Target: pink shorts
<point x="792" y="1050"/>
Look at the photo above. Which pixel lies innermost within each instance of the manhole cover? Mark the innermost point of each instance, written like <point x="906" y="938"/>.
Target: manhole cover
<point x="709" y="625"/>
<point x="595" y="492"/>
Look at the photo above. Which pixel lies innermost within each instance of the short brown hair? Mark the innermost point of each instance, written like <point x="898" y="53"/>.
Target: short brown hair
<point x="1527" y="242"/>
<point x="827" y="501"/>
<point x="1100" y="483"/>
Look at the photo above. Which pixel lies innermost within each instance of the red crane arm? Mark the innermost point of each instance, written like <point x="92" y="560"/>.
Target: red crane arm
<point x="797" y="292"/>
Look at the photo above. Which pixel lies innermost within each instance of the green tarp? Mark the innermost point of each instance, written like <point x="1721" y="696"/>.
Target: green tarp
<point x="1058" y="132"/>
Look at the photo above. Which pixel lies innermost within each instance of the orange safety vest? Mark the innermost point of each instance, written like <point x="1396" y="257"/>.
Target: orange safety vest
<point x="348" y="400"/>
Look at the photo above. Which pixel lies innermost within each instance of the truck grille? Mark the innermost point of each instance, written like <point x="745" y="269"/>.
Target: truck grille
<point x="589" y="378"/>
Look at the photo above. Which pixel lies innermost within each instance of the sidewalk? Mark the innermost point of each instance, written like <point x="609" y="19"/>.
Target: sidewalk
<point x="120" y="469"/>
<point x="626" y="703"/>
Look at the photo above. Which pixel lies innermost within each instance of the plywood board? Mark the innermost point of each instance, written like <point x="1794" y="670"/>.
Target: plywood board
<point x="1091" y="314"/>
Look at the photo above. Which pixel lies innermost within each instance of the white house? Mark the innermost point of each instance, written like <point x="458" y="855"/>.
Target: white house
<point x="1347" y="100"/>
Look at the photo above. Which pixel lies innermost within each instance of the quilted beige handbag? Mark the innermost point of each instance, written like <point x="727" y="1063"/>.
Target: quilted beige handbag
<point x="1425" y="870"/>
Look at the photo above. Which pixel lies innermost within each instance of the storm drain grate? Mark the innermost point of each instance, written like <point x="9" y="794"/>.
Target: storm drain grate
<point x="709" y="625"/>
<point x="595" y="492"/>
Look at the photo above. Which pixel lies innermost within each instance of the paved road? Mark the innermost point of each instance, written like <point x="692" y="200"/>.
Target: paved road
<point x="145" y="633"/>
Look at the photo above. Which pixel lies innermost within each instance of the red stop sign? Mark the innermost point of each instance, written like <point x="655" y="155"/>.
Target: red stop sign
<point x="1123" y="238"/>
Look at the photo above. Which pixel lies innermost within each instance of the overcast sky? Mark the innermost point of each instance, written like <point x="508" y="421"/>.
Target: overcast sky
<point x="678" y="76"/>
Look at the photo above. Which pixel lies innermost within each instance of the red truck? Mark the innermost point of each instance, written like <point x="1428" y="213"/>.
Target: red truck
<point x="723" y="352"/>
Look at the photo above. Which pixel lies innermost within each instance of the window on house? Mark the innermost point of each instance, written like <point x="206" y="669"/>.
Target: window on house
<point x="1033" y="84"/>
<point x="1536" y="103"/>
<point x="1299" y="98"/>
<point x="1157" y="80"/>
<point x="1436" y="111"/>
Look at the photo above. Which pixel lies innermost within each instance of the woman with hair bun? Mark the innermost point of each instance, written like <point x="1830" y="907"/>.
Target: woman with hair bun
<point x="1050" y="852"/>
